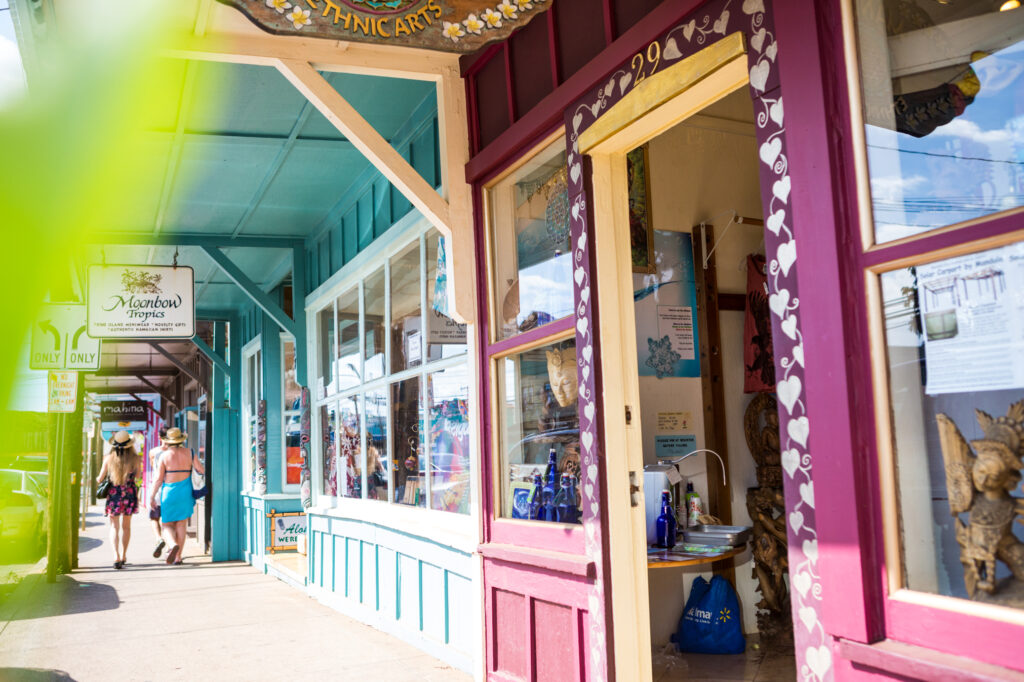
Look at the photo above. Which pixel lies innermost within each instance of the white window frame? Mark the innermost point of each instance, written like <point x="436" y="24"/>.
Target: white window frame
<point x="249" y="351"/>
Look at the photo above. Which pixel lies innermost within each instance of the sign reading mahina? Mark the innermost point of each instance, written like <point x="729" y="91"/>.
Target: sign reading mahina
<point x="141" y="301"/>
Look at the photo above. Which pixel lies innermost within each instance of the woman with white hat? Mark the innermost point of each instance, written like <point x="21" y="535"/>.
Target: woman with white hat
<point x="122" y="464"/>
<point x="173" y="481"/>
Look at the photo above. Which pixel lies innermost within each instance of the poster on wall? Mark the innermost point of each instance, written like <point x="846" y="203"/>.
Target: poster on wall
<point x="141" y="301"/>
<point x="972" y="320"/>
<point x="665" y="305"/>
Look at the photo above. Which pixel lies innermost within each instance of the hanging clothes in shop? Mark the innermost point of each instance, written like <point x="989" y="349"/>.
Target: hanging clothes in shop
<point x="758" y="362"/>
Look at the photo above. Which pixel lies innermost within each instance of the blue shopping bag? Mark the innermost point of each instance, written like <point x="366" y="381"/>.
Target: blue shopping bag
<point x="711" y="620"/>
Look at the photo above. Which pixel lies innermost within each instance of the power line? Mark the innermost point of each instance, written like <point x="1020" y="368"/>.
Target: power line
<point x="946" y="156"/>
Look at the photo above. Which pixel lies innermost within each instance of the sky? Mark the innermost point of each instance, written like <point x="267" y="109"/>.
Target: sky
<point x="12" y="76"/>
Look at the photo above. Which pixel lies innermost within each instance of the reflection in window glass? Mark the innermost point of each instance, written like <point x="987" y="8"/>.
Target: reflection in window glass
<point x="325" y="343"/>
<point x="350" y="452"/>
<point x="406" y="324"/>
<point x="328" y="430"/>
<point x="941" y="86"/>
<point x="445" y="336"/>
<point x="373" y="307"/>
<point x="348" y="371"/>
<point x="407" y="422"/>
<point x="377" y="445"/>
<point x="529" y="218"/>
<point x="292" y="387"/>
<point x="955" y="346"/>
<point x="449" y="439"/>
<point x="539" y="434"/>
<point x="292" y="448"/>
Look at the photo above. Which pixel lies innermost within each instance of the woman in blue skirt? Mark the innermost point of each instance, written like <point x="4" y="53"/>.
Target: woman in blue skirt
<point x="173" y="482"/>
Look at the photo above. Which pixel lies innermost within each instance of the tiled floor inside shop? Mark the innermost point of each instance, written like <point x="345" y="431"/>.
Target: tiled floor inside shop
<point x="756" y="664"/>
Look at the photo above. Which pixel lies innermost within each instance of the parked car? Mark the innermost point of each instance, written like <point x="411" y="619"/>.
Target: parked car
<point x="22" y="508"/>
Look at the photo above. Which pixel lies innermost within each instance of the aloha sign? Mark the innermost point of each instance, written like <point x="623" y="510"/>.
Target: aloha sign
<point x="141" y="301"/>
<point x="446" y="25"/>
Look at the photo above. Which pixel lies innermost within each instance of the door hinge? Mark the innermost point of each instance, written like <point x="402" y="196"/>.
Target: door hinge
<point x="629" y="416"/>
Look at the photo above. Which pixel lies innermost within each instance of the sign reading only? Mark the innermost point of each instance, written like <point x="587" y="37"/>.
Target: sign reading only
<point x="60" y="341"/>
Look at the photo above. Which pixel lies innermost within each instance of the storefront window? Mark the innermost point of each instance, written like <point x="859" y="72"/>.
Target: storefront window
<point x="406" y="327"/>
<point x="348" y="366"/>
<point x="349" y="448"/>
<point x="252" y="392"/>
<point x="375" y="326"/>
<point x="955" y="344"/>
<point x="539" y="433"/>
<point x="407" y="422"/>
<point x="377" y="445"/>
<point x="328" y="429"/>
<point x="448" y="411"/>
<point x="292" y="425"/>
<point x="944" y="116"/>
<point x="532" y="261"/>
<point x="445" y="337"/>
<point x="325" y="351"/>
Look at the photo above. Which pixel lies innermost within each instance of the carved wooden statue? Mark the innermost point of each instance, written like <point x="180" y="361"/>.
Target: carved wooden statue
<point x="980" y="485"/>
<point x="767" y="510"/>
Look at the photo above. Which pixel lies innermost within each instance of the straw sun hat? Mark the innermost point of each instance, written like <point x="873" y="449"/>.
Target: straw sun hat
<point x="174" y="436"/>
<point x="121" y="439"/>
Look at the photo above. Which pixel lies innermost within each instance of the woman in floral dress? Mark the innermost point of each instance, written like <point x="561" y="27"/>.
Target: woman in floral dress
<point x="122" y="465"/>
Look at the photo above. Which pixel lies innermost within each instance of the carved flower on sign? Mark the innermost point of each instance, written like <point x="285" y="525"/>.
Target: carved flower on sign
<point x="508" y="9"/>
<point x="279" y="5"/>
<point x="492" y="18"/>
<point x="453" y="31"/>
<point x="524" y="4"/>
<point x="299" y="17"/>
<point x="473" y="24"/>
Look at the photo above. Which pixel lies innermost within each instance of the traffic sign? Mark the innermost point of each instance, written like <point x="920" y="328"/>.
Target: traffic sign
<point x="63" y="392"/>
<point x="60" y="341"/>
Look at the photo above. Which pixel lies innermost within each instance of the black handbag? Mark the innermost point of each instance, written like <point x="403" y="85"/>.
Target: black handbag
<point x="104" y="489"/>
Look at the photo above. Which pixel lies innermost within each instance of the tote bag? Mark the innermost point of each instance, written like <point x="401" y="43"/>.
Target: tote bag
<point x="711" y="620"/>
<point x="198" y="483"/>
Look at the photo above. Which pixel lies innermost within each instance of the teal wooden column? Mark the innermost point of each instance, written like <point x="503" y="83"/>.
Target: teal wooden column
<point x="273" y="372"/>
<point x="299" y="315"/>
<point x="226" y="471"/>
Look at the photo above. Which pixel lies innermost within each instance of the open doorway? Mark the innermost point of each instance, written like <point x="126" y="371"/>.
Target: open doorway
<point x="678" y="229"/>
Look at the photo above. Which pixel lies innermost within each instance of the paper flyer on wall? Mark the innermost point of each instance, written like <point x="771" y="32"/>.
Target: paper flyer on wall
<point x="972" y="319"/>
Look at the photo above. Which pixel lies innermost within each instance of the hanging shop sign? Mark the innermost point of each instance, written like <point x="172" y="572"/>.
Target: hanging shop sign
<point x="123" y="410"/>
<point x="285" y="529"/>
<point x="444" y="25"/>
<point x="62" y="392"/>
<point x="141" y="301"/>
<point x="60" y="341"/>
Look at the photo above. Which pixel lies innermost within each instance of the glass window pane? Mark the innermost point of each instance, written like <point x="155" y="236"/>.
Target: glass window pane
<point x="955" y="347"/>
<point x="292" y="387"/>
<point x="328" y="430"/>
<point x="445" y="336"/>
<point x="406" y="324"/>
<point x="407" y="422"/>
<point x="529" y="219"/>
<point x="252" y="454"/>
<point x="292" y="449"/>
<point x="377" y="445"/>
<point x="348" y="371"/>
<point x="941" y="86"/>
<point x="350" y="452"/>
<point x="449" y="440"/>
<point x="325" y="350"/>
<point x="539" y="434"/>
<point x="373" y="306"/>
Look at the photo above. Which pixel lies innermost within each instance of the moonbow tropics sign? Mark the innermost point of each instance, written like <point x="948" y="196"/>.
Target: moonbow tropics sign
<point x="446" y="25"/>
<point x="141" y="301"/>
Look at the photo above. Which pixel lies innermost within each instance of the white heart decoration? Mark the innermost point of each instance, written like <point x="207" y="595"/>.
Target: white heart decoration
<point x="586" y="373"/>
<point x="588" y="411"/>
<point x="802" y="582"/>
<point x="624" y="83"/>
<point x="778" y="302"/>
<point x="781" y="188"/>
<point x="578" y="275"/>
<point x="771" y="51"/>
<point x="775" y="221"/>
<point x="688" y="30"/>
<point x="595" y="108"/>
<point x="753" y="6"/>
<point x="786" y="253"/>
<point x="574" y="173"/>
<point x="789" y="326"/>
<point x="798" y="353"/>
<point x="775" y="112"/>
<point x="798" y="429"/>
<point x="808" y="617"/>
<point x="588" y="352"/>
<point x="759" y="75"/>
<point x="581" y="243"/>
<point x="819" y="660"/>
<point x="757" y="40"/>
<point x="581" y="326"/>
<point x="671" y="50"/>
<point x="788" y="391"/>
<point x="577" y="121"/>
<point x="588" y="491"/>
<point x="585" y="294"/>
<point x="770" y="151"/>
<point x="796" y="519"/>
<point x="592" y="469"/>
<point x="588" y="440"/>
<point x="810" y="548"/>
<point x="610" y="88"/>
<point x="576" y="211"/>
<point x="807" y="492"/>
<point x="723" y="23"/>
<point x="790" y="461"/>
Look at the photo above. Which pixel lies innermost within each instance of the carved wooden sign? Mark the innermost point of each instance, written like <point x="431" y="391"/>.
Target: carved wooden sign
<point x="445" y="25"/>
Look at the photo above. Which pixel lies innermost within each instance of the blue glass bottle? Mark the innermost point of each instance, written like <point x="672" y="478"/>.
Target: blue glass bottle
<point x="665" y="526"/>
<point x="551" y="474"/>
<point x="565" y="500"/>
<point x="548" y="511"/>
<point x="536" y="497"/>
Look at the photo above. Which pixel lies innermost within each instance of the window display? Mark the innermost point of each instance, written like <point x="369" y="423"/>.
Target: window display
<point x="328" y="432"/>
<point x="445" y="337"/>
<point x="348" y="369"/>
<point x="529" y="223"/>
<point x="406" y="321"/>
<point x="409" y="463"/>
<point x="252" y="392"/>
<point x="448" y="406"/>
<point x="374" y="324"/>
<point x="349" y="448"/>
<point x="292" y="426"/>
<point x="325" y="351"/>
<point x="941" y="84"/>
<point x="377" y="445"/>
<point x="539" y="433"/>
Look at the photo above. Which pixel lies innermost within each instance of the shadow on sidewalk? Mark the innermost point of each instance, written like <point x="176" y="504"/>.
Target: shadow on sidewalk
<point x="33" y="675"/>
<point x="66" y="596"/>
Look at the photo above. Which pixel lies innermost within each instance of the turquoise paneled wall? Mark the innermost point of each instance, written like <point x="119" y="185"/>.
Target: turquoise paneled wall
<point x="257" y="526"/>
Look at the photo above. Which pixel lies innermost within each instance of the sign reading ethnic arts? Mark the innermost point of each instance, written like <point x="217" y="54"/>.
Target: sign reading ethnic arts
<point x="141" y="301"/>
<point x="444" y="25"/>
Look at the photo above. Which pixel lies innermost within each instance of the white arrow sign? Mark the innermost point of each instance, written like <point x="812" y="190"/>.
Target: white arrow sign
<point x="60" y="341"/>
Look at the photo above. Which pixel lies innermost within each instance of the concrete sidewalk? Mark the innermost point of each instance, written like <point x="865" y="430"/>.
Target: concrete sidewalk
<point x="200" y="621"/>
